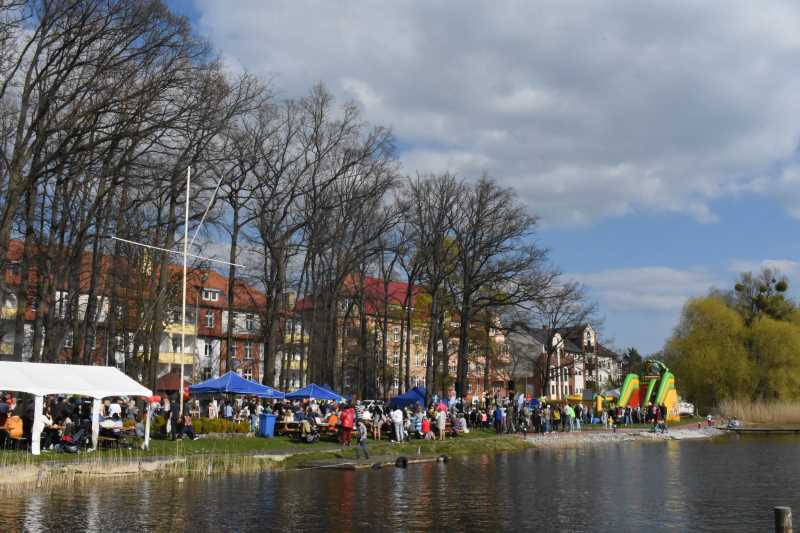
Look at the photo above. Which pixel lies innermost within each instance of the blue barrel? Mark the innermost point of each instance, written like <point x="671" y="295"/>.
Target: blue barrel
<point x="266" y="425"/>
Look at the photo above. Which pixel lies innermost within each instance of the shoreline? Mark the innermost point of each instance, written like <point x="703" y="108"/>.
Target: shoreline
<point x="52" y="473"/>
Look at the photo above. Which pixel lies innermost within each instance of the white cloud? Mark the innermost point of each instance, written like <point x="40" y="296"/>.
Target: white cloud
<point x="787" y="267"/>
<point x="647" y="289"/>
<point x="590" y="109"/>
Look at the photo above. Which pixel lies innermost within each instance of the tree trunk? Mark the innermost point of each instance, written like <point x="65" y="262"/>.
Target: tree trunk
<point x="231" y="287"/>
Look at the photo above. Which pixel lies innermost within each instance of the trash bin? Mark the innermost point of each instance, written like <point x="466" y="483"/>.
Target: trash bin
<point x="266" y="425"/>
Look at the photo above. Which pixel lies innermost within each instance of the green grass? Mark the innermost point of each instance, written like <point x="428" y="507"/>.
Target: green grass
<point x="475" y="442"/>
<point x="237" y="445"/>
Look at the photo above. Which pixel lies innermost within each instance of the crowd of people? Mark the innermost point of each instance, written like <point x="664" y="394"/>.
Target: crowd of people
<point x="67" y="421"/>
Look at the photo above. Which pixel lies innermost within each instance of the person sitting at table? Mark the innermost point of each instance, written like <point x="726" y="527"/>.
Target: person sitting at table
<point x="111" y="426"/>
<point x="12" y="430"/>
<point x="51" y="433"/>
<point x="461" y="425"/>
<point x="333" y="420"/>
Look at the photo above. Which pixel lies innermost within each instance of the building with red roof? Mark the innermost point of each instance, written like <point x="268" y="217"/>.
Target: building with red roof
<point x="128" y="288"/>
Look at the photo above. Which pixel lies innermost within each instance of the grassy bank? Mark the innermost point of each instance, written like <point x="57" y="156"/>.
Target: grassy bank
<point x="762" y="412"/>
<point x="205" y="457"/>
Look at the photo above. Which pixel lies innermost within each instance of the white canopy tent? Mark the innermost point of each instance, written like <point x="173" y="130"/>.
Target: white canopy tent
<point x="96" y="382"/>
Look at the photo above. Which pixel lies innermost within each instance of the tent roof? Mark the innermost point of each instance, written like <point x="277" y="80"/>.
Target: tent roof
<point x="315" y="391"/>
<point x="170" y="382"/>
<point x="414" y="395"/>
<point x="43" y="379"/>
<point x="233" y="383"/>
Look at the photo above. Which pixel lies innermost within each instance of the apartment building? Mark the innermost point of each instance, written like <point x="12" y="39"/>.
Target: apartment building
<point x="579" y="365"/>
<point x="119" y="316"/>
<point x="389" y="299"/>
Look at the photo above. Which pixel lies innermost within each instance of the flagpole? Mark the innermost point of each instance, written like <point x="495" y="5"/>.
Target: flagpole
<point x="183" y="300"/>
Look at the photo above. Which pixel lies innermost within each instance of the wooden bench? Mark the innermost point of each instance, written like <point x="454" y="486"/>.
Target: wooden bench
<point x="15" y="443"/>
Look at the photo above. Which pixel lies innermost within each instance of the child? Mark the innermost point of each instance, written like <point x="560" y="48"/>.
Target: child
<point x="426" y="429"/>
<point x="362" y="440"/>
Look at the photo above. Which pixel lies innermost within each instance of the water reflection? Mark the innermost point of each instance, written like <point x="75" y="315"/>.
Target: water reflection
<point x="729" y="485"/>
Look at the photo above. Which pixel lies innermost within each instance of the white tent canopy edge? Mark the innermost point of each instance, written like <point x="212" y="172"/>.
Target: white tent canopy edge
<point x="43" y="379"/>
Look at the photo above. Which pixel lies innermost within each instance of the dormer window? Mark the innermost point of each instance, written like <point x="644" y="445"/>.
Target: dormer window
<point x="210" y="295"/>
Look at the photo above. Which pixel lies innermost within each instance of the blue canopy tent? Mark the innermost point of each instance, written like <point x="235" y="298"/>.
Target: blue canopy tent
<point x="316" y="392"/>
<point x="233" y="383"/>
<point x="412" y="396"/>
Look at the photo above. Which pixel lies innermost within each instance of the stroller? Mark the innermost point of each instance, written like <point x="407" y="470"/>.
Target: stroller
<point x="80" y="437"/>
<point x="309" y="432"/>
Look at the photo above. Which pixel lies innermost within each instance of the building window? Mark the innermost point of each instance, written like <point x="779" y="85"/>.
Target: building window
<point x="395" y="383"/>
<point x="396" y="334"/>
<point x="176" y="344"/>
<point x="207" y="348"/>
<point x="233" y="350"/>
<point x="209" y="319"/>
<point x="247" y="373"/>
<point x="469" y="387"/>
<point x="250" y="323"/>
<point x="206" y="373"/>
<point x="13" y="268"/>
<point x="68" y="340"/>
<point x="416" y="339"/>
<point x="416" y="359"/>
<point x="452" y="370"/>
<point x="425" y="359"/>
<point x="210" y="295"/>
<point x="396" y="358"/>
<point x="248" y="350"/>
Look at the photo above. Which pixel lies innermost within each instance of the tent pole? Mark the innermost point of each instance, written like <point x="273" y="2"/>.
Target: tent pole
<point x="36" y="430"/>
<point x="148" y="414"/>
<point x="95" y="421"/>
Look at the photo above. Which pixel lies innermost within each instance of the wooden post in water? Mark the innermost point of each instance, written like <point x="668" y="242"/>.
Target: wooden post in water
<point x="783" y="520"/>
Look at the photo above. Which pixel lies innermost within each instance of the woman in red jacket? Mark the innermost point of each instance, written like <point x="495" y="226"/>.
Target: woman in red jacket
<point x="348" y="420"/>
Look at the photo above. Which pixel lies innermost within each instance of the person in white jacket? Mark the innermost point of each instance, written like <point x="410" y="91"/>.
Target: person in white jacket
<point x="397" y="420"/>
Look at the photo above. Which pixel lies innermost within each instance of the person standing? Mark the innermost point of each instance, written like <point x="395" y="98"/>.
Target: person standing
<point x="362" y="440"/>
<point x="397" y="421"/>
<point x="348" y="419"/>
<point x="441" y="423"/>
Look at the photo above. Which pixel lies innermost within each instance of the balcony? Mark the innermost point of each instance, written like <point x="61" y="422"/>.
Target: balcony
<point x="176" y="328"/>
<point x="175" y="358"/>
<point x="294" y="365"/>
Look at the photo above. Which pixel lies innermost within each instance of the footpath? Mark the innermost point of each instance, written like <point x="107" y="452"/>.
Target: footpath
<point x="589" y="438"/>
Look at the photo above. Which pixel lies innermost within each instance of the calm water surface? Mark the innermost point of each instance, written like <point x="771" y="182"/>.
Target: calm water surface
<point x="730" y="484"/>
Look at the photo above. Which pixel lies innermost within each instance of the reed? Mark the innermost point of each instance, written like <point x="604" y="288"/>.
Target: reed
<point x="762" y="412"/>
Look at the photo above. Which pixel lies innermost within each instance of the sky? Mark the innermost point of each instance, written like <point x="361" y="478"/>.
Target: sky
<point x="656" y="141"/>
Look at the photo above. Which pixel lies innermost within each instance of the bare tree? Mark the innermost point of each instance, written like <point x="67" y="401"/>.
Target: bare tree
<point x="497" y="264"/>
<point x="431" y="202"/>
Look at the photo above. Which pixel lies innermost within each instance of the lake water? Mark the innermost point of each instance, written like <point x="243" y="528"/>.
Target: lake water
<point x="729" y="484"/>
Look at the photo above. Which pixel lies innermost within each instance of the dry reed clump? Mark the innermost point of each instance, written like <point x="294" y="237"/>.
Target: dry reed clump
<point x="762" y="412"/>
